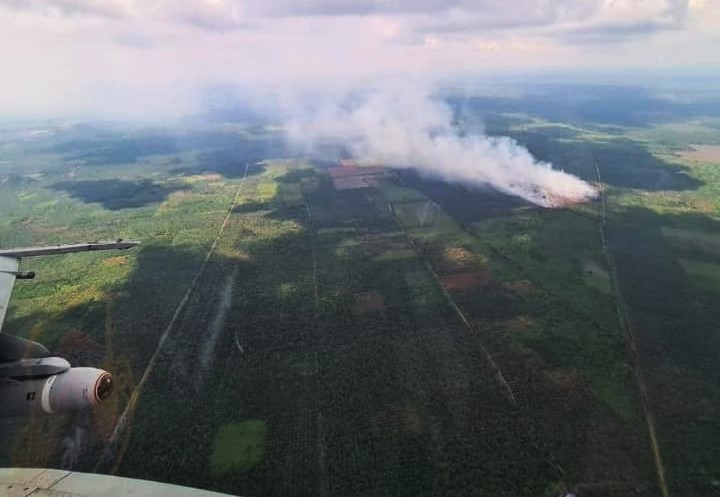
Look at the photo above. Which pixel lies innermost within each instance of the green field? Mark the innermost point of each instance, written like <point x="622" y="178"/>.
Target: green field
<point x="238" y="446"/>
<point x="410" y="338"/>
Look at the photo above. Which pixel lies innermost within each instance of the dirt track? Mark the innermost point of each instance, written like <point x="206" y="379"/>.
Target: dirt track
<point x="630" y="343"/>
<point x="114" y="449"/>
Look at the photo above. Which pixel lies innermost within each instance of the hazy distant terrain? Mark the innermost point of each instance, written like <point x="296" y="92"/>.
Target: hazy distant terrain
<point x="369" y="331"/>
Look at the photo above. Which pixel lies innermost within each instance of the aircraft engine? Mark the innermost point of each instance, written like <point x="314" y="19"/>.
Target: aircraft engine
<point x="77" y="388"/>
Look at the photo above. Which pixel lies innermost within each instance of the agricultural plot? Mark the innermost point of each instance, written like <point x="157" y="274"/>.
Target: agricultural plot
<point x="541" y="339"/>
<point x="298" y="328"/>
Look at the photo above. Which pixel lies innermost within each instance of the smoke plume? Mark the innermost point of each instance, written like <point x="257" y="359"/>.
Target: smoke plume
<point x="404" y="128"/>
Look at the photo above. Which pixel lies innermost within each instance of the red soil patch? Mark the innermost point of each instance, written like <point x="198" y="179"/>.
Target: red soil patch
<point x="348" y="175"/>
<point x="703" y="205"/>
<point x="459" y="259"/>
<point x="368" y="302"/>
<point x="555" y="201"/>
<point x="347" y="171"/>
<point x="463" y="281"/>
<point x="703" y="153"/>
<point x="211" y="177"/>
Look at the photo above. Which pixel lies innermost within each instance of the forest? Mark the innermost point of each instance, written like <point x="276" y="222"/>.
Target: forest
<point x="397" y="335"/>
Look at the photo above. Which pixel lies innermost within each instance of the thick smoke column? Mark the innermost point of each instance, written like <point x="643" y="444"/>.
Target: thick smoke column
<point x="408" y="129"/>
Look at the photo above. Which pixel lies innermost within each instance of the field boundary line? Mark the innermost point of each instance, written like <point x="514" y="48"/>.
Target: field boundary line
<point x="316" y="294"/>
<point x="109" y="454"/>
<point x="629" y="336"/>
<point x="322" y="464"/>
<point x="469" y="327"/>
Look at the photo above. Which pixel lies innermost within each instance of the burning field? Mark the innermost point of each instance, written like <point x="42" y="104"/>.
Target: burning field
<point x="405" y="129"/>
<point x="350" y="175"/>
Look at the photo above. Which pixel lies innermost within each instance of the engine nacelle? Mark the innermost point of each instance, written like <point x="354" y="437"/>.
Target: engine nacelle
<point x="77" y="388"/>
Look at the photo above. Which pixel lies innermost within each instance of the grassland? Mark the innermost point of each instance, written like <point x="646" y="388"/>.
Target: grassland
<point x="413" y="338"/>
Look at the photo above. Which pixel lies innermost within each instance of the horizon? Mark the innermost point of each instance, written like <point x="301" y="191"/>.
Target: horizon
<point x="155" y="60"/>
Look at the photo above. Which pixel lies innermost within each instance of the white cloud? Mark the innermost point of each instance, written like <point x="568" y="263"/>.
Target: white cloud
<point x="103" y="8"/>
<point x="151" y="56"/>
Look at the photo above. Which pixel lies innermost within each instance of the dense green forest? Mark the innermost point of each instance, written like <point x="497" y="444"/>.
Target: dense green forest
<point x="410" y="337"/>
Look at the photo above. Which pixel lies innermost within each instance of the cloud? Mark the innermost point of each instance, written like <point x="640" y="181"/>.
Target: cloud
<point x="394" y="7"/>
<point x="623" y="20"/>
<point x="615" y="33"/>
<point x="103" y="8"/>
<point x="424" y="15"/>
<point x="134" y="39"/>
<point x="155" y="56"/>
<point x="507" y="15"/>
<point x="579" y="21"/>
<point x="567" y="21"/>
<point x="208" y="14"/>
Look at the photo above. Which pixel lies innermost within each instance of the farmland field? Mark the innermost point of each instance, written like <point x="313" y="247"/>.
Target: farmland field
<point x="351" y="333"/>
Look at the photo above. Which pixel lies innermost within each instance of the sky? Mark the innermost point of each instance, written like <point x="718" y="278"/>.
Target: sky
<point x="153" y="57"/>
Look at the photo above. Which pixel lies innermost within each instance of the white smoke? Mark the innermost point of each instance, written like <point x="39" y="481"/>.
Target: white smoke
<point x="406" y="128"/>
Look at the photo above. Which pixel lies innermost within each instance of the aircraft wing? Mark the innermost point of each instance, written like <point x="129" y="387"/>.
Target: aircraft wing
<point x="8" y="270"/>
<point x="10" y="262"/>
<point x="39" y="481"/>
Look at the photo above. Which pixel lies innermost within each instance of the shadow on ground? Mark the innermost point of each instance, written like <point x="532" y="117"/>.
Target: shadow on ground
<point x="228" y="163"/>
<point x="115" y="151"/>
<point x="624" y="163"/>
<point x="118" y="194"/>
